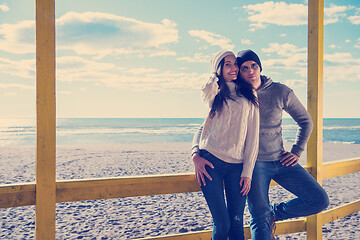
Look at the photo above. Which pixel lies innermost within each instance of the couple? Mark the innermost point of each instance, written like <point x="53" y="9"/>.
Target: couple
<point x="239" y="147"/>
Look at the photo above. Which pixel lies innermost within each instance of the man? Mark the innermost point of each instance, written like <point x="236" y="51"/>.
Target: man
<point x="273" y="162"/>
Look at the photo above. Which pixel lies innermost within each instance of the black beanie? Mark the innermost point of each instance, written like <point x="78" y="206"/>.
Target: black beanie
<point x="247" y="55"/>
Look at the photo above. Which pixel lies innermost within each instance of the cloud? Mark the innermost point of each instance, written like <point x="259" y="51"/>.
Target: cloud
<point x="213" y="39"/>
<point x="286" y="49"/>
<point x="296" y="62"/>
<point x="162" y="53"/>
<point x="246" y="41"/>
<point x="4" y="7"/>
<point x="162" y="81"/>
<point x="278" y="13"/>
<point x="339" y="67"/>
<point x="341" y="59"/>
<point x="198" y="57"/>
<point x="357" y="45"/>
<point x="10" y="94"/>
<point x="75" y="68"/>
<point x="63" y="92"/>
<point x="296" y="83"/>
<point x="103" y="34"/>
<point x="140" y="71"/>
<point x="78" y="69"/>
<point x="17" y="86"/>
<point x="286" y="57"/>
<point x="354" y="19"/>
<point x="18" y="38"/>
<point x="283" y="14"/>
<point x="334" y="13"/>
<point x="95" y="33"/>
<point x="21" y="68"/>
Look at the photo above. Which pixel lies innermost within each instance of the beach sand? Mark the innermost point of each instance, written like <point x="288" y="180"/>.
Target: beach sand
<point x="138" y="217"/>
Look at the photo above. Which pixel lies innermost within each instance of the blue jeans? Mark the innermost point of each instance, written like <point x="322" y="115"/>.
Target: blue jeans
<point x="227" y="216"/>
<point x="310" y="199"/>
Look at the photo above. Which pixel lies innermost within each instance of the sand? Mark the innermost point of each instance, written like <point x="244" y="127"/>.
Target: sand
<point x="138" y="217"/>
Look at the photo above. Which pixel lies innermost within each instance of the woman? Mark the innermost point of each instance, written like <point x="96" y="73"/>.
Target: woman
<point x="229" y="146"/>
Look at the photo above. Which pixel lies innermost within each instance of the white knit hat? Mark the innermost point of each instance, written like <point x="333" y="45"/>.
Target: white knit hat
<point x="216" y="59"/>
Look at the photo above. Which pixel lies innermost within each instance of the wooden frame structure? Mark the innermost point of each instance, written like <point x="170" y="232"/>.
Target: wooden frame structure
<point x="45" y="120"/>
<point x="46" y="192"/>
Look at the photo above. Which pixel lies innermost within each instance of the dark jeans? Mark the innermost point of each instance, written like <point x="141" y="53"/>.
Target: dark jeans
<point x="310" y="199"/>
<point x="227" y="216"/>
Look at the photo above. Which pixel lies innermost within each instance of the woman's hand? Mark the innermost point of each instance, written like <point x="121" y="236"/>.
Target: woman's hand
<point x="200" y="170"/>
<point x="245" y="183"/>
<point x="289" y="159"/>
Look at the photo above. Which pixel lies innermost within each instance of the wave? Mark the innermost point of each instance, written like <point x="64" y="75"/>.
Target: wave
<point x="341" y="128"/>
<point x="138" y="130"/>
<point x="61" y="132"/>
<point x="338" y="142"/>
<point x="172" y="130"/>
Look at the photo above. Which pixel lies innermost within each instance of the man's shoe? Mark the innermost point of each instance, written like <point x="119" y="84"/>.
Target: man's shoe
<point x="272" y="227"/>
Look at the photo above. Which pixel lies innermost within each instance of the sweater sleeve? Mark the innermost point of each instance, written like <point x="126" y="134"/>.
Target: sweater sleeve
<point x="251" y="147"/>
<point x="301" y="116"/>
<point x="196" y="140"/>
<point x="209" y="90"/>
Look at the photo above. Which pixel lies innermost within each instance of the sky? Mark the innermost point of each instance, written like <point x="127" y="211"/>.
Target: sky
<point x="149" y="58"/>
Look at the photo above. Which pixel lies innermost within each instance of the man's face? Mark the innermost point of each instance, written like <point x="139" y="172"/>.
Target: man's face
<point x="250" y="72"/>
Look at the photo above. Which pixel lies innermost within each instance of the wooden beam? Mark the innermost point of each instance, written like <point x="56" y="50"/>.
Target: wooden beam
<point x="200" y="235"/>
<point x="340" y="211"/>
<point x="315" y="87"/>
<point x="290" y="226"/>
<point x="341" y="167"/>
<point x="16" y="195"/>
<point x="45" y="120"/>
<point x="90" y="189"/>
<point x="283" y="227"/>
<point x="315" y="103"/>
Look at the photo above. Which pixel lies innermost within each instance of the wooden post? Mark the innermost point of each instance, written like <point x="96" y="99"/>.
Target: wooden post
<point x="45" y="120"/>
<point x="315" y="103"/>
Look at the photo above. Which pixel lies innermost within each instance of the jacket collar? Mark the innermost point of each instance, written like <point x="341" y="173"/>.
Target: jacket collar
<point x="265" y="82"/>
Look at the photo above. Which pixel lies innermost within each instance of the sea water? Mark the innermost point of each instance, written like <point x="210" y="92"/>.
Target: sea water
<point x="15" y="132"/>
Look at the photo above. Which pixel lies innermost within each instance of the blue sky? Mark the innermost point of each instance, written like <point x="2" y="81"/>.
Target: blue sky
<point x="148" y="58"/>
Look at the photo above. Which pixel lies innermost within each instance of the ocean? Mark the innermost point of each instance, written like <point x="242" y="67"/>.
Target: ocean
<point x="15" y="132"/>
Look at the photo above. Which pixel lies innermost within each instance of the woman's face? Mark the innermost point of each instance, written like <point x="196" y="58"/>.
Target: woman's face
<point x="230" y="68"/>
<point x="250" y="72"/>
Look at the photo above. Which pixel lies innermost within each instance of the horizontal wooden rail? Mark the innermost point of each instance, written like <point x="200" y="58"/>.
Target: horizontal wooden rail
<point x="340" y="211"/>
<point x="101" y="188"/>
<point x="80" y="190"/>
<point x="284" y="227"/>
<point x="199" y="235"/>
<point x="341" y="167"/>
<point x="15" y="195"/>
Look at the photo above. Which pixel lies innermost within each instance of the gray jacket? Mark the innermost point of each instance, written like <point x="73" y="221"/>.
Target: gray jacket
<point x="273" y="99"/>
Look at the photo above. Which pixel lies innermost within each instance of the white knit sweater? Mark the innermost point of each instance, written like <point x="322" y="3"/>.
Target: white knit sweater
<point x="232" y="135"/>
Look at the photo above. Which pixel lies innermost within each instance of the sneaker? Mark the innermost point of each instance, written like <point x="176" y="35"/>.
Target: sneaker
<point x="272" y="227"/>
